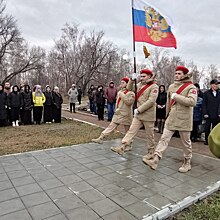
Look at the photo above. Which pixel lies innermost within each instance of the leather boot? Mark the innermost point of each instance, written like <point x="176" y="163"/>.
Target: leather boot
<point x="153" y="163"/>
<point x="120" y="150"/>
<point x="17" y="123"/>
<point x="150" y="154"/>
<point x="99" y="140"/>
<point x="159" y="126"/>
<point x="162" y="127"/>
<point x="185" y="167"/>
<point x="128" y="147"/>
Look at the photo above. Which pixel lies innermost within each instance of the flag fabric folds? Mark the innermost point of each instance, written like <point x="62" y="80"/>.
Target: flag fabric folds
<point x="151" y="26"/>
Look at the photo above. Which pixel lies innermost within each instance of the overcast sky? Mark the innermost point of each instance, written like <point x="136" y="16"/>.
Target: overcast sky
<point x="197" y="24"/>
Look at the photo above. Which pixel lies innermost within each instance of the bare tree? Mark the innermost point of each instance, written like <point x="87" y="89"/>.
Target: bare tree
<point x="15" y="56"/>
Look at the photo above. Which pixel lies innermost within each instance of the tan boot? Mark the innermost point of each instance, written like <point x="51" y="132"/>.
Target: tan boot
<point x="153" y="163"/>
<point x="120" y="150"/>
<point x="128" y="148"/>
<point x="98" y="140"/>
<point x="149" y="155"/>
<point x="185" y="167"/>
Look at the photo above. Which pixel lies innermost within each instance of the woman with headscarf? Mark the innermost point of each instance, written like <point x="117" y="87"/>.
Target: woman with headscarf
<point x="38" y="100"/>
<point x="48" y="105"/>
<point x="26" y="95"/>
<point x="3" y="106"/>
<point x="57" y="105"/>
<point x="15" y="102"/>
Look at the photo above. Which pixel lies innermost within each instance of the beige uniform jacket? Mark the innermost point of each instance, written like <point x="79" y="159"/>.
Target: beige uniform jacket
<point x="146" y="103"/>
<point x="180" y="116"/>
<point x="124" y="111"/>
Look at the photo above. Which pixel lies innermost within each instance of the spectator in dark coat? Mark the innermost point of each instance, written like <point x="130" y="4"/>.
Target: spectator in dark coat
<point x="48" y="105"/>
<point x="200" y="93"/>
<point x="111" y="94"/>
<point x="197" y="119"/>
<point x="7" y="90"/>
<point x="79" y="97"/>
<point x="100" y="102"/>
<point x="161" y="108"/>
<point x="211" y="107"/>
<point x="3" y="106"/>
<point x="91" y="98"/>
<point x="15" y="102"/>
<point x="27" y="107"/>
<point x="57" y="107"/>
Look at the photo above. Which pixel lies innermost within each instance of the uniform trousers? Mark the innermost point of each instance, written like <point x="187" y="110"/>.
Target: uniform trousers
<point x="112" y="126"/>
<point x="165" y="139"/>
<point x="134" y="128"/>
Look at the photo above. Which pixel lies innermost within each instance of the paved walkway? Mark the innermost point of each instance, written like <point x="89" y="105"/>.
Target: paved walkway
<point x="88" y="181"/>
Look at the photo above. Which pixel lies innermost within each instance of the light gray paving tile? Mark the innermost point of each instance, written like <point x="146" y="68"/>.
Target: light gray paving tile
<point x="80" y="187"/>
<point x="61" y="172"/>
<point x="68" y="203"/>
<point x="8" y="194"/>
<point x="50" y="184"/>
<point x="14" y="167"/>
<point x="9" y="206"/>
<point x="103" y="170"/>
<point x="43" y="211"/>
<point x="170" y="181"/>
<point x="110" y="190"/>
<point x="97" y="181"/>
<point x="82" y="213"/>
<point x="3" y="177"/>
<point x="23" y="181"/>
<point x="57" y="217"/>
<point x="141" y="192"/>
<point x="73" y="178"/>
<point x="104" y="207"/>
<point x="28" y="189"/>
<point x="158" y="201"/>
<point x="43" y="176"/>
<point x="5" y="185"/>
<point x="124" y="199"/>
<point x="35" y="199"/>
<point x="87" y="174"/>
<point x="17" y="174"/>
<point x="59" y="192"/>
<point x="119" y="215"/>
<point x="91" y="196"/>
<point x="20" y="215"/>
<point x="140" y="209"/>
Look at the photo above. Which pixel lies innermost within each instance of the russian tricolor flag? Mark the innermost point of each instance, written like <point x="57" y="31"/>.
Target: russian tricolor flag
<point x="151" y="26"/>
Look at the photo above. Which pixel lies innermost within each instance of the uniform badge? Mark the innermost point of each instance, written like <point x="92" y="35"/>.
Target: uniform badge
<point x="194" y="91"/>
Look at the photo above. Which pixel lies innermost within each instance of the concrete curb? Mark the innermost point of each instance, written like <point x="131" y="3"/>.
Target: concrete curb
<point x="186" y="202"/>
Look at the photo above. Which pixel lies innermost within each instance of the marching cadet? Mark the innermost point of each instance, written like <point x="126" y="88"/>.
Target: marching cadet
<point x="123" y="112"/>
<point x="181" y="98"/>
<point x="144" y="114"/>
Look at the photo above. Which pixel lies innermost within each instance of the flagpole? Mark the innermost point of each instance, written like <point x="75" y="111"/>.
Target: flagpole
<point x="134" y="53"/>
<point x="134" y="56"/>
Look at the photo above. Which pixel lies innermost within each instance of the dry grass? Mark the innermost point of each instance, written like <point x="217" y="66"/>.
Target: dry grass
<point x="36" y="137"/>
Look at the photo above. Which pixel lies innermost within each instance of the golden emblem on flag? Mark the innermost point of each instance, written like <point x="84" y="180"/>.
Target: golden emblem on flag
<point x="156" y="24"/>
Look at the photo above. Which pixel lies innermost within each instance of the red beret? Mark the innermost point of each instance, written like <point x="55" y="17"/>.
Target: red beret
<point x="147" y="71"/>
<point x="182" y="68"/>
<point x="125" y="79"/>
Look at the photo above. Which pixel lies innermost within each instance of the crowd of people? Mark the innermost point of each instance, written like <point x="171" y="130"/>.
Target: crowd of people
<point x="24" y="106"/>
<point x="182" y="108"/>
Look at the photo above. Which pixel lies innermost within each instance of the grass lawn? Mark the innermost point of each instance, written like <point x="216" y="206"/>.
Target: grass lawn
<point x="36" y="137"/>
<point x="207" y="209"/>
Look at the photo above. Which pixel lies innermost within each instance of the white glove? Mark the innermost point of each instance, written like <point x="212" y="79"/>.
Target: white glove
<point x="136" y="111"/>
<point x="134" y="76"/>
<point x="173" y="95"/>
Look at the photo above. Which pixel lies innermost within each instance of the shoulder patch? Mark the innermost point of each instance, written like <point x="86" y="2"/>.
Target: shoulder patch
<point x="194" y="91"/>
